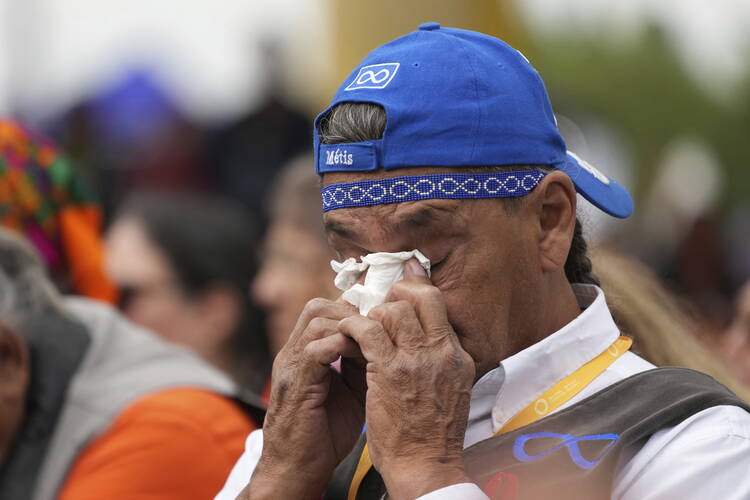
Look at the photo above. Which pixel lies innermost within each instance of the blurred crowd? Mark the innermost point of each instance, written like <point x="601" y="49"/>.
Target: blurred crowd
<point x="222" y="269"/>
<point x="191" y="251"/>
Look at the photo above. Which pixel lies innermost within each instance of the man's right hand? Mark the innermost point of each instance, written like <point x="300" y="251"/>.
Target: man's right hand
<point x="315" y="414"/>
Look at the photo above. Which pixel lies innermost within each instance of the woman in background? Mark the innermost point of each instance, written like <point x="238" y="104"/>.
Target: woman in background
<point x="183" y="263"/>
<point x="662" y="329"/>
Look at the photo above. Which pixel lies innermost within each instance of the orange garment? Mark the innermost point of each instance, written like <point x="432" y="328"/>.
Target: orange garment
<point x="179" y="444"/>
<point x="267" y="391"/>
<point x="45" y="198"/>
<point x="80" y="238"/>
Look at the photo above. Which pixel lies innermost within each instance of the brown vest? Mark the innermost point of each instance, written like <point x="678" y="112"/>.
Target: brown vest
<point x="571" y="454"/>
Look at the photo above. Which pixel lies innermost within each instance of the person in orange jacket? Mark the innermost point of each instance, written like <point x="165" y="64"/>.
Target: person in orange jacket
<point x="93" y="406"/>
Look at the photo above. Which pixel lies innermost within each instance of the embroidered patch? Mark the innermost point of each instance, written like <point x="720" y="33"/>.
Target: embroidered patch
<point x="569" y="442"/>
<point x="424" y="187"/>
<point x="374" y="76"/>
<point x="347" y="158"/>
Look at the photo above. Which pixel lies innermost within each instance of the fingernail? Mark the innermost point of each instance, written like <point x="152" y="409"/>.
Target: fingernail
<point x="415" y="268"/>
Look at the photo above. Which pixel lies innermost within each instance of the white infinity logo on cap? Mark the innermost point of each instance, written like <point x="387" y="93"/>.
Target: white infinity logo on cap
<point x="371" y="76"/>
<point x="374" y="76"/>
<point x="590" y="168"/>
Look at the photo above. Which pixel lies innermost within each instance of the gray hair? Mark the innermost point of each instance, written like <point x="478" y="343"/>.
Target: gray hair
<point x="25" y="289"/>
<point x="353" y="122"/>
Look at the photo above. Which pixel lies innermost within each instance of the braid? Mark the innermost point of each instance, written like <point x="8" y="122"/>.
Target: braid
<point x="578" y="268"/>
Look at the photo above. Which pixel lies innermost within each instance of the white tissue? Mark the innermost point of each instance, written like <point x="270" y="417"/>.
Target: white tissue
<point x="383" y="270"/>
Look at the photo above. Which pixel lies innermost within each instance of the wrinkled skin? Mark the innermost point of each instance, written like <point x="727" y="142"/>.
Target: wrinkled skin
<point x="497" y="286"/>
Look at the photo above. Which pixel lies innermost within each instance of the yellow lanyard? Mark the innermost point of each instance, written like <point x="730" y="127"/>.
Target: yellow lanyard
<point x="549" y="401"/>
<point x="568" y="387"/>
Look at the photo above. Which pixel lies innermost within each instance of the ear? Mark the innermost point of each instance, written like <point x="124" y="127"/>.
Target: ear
<point x="557" y="217"/>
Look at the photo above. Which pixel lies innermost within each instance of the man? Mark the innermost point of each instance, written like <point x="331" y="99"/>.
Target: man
<point x="502" y="371"/>
<point x="92" y="406"/>
<point x="294" y="264"/>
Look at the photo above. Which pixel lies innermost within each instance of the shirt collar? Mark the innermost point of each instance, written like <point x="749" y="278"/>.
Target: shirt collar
<point x="506" y="390"/>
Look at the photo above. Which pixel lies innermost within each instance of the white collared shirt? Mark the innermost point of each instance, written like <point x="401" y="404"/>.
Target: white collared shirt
<point x="705" y="456"/>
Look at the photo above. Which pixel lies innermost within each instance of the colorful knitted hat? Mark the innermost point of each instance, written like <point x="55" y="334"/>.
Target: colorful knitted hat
<point x="45" y="199"/>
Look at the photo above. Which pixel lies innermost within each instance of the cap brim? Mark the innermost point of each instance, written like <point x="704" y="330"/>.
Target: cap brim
<point x="601" y="191"/>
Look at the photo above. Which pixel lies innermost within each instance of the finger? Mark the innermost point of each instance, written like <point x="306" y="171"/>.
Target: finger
<point x="370" y="335"/>
<point x="427" y="301"/>
<point x="319" y="308"/>
<point x="317" y="329"/>
<point x="294" y="352"/>
<point x="414" y="271"/>
<point x="400" y="322"/>
<point x="312" y="365"/>
<point x="326" y="350"/>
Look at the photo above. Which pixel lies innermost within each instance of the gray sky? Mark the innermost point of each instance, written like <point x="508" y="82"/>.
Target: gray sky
<point x="711" y="37"/>
<point x="53" y="52"/>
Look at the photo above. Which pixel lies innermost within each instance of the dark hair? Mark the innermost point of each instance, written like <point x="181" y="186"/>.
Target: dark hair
<point x="357" y="122"/>
<point x="209" y="241"/>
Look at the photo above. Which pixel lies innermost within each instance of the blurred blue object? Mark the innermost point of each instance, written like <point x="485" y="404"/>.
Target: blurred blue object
<point x="134" y="109"/>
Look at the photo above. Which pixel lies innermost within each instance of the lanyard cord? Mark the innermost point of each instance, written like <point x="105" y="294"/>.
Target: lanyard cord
<point x="564" y="390"/>
<point x="549" y="401"/>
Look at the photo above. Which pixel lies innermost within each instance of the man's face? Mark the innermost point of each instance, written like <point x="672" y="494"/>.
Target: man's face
<point x="295" y="268"/>
<point x="484" y="260"/>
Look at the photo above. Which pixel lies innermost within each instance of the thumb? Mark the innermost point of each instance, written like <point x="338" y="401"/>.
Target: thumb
<point x="413" y="270"/>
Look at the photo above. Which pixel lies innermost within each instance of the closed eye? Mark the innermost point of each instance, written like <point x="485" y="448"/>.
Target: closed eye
<point x="435" y="266"/>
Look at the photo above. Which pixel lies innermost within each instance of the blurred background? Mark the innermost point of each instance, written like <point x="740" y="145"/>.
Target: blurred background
<point x="215" y="97"/>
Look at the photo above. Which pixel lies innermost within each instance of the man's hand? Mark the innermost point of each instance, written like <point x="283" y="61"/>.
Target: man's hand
<point x="315" y="414"/>
<point x="419" y="382"/>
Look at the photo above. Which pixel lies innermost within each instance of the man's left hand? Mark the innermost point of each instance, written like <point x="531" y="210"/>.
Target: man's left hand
<point x="418" y="387"/>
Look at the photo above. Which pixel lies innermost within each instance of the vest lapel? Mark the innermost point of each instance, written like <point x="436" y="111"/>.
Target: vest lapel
<point x="571" y="454"/>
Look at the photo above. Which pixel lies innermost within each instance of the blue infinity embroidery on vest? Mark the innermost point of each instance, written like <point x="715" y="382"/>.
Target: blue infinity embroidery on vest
<point x="423" y="187"/>
<point x="568" y="441"/>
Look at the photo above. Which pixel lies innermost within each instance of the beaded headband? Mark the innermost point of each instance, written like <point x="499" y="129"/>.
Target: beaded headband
<point x="424" y="187"/>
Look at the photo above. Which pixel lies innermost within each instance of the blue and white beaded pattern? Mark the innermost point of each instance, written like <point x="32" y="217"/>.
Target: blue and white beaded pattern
<point x="424" y="187"/>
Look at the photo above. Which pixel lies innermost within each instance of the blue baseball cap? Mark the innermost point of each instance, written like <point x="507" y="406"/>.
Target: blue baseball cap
<point x="459" y="98"/>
